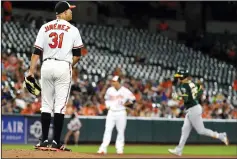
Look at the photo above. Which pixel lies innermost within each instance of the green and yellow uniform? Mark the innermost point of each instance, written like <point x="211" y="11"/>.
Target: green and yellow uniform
<point x="190" y="93"/>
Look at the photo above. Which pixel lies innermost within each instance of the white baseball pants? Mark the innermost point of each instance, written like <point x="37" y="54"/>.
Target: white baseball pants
<point x="56" y="77"/>
<point x="193" y="119"/>
<point x="118" y="119"/>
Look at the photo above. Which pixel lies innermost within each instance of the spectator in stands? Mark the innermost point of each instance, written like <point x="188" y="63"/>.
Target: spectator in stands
<point x="166" y="86"/>
<point x="6" y="93"/>
<point x="88" y="110"/>
<point x="89" y="88"/>
<point x="139" y="59"/>
<point x="94" y="100"/>
<point x="88" y="100"/>
<point x="16" y="109"/>
<point x="100" y="85"/>
<point x="75" y="88"/>
<point x="223" y="47"/>
<point x="11" y="63"/>
<point x="28" y="110"/>
<point x="20" y="100"/>
<point x="77" y="102"/>
<point x="28" y="97"/>
<point x="206" y="111"/>
<point x="3" y="62"/>
<point x="234" y="113"/>
<point x="138" y="95"/>
<point x="70" y="108"/>
<point x="235" y="84"/>
<point x="216" y="113"/>
<point x="7" y="10"/>
<point x="84" y="51"/>
<point x="6" y="107"/>
<point x="234" y="101"/>
<point x="163" y="26"/>
<point x="232" y="53"/>
<point x="39" y="22"/>
<point x="26" y="21"/>
<point x="36" y="105"/>
<point x="102" y="108"/>
<point x="155" y="112"/>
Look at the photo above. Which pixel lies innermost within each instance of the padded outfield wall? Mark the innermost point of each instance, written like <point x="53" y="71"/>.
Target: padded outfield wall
<point x="17" y="129"/>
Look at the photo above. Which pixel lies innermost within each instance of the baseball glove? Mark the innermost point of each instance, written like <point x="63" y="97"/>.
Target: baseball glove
<point x="32" y="86"/>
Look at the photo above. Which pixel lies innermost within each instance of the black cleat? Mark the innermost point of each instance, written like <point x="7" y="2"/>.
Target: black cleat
<point x="44" y="146"/>
<point x="58" y="147"/>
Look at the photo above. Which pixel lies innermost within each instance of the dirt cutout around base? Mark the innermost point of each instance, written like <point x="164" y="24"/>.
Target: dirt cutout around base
<point x="50" y="154"/>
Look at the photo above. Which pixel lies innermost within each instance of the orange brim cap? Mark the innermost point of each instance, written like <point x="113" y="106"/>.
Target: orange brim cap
<point x="72" y="6"/>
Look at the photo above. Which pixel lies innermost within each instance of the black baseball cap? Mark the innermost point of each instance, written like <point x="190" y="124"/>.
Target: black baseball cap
<point x="62" y="6"/>
<point x="181" y="73"/>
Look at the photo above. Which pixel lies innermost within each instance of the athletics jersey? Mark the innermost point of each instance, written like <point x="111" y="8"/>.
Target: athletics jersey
<point x="190" y="92"/>
<point x="57" y="38"/>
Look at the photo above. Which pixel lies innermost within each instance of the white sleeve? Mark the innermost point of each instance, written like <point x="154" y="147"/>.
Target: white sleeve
<point x="107" y="95"/>
<point x="130" y="95"/>
<point x="39" y="42"/>
<point x="78" y="41"/>
<point x="107" y="99"/>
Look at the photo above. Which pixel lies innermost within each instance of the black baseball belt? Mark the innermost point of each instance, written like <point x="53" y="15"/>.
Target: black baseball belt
<point x="54" y="59"/>
<point x="51" y="59"/>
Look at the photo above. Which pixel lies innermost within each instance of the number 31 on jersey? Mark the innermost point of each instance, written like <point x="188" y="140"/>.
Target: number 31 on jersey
<point x="57" y="40"/>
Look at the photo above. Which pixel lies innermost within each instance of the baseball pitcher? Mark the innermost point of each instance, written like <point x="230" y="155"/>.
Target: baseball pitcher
<point x="190" y="93"/>
<point x="117" y="98"/>
<point x="59" y="43"/>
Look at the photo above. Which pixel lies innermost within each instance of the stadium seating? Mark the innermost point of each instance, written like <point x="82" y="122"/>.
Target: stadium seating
<point x="110" y="47"/>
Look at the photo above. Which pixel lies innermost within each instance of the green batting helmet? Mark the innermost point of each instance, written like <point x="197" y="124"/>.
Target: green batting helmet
<point x="181" y="73"/>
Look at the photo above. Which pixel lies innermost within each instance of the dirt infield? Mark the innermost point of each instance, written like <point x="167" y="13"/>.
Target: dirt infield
<point x="48" y="154"/>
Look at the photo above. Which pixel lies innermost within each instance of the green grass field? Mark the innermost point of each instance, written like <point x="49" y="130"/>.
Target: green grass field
<point x="211" y="150"/>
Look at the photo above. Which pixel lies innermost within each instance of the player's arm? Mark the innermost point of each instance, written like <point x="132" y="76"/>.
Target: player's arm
<point x="75" y="59"/>
<point x="33" y="63"/>
<point x="184" y="97"/>
<point x="131" y="99"/>
<point x="200" y="91"/>
<point x="108" y="101"/>
<point x="76" y="50"/>
<point x="176" y="96"/>
<point x="38" y="50"/>
<point x="182" y="94"/>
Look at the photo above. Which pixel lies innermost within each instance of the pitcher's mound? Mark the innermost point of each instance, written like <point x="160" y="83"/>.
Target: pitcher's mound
<point x="44" y="154"/>
<point x="50" y="154"/>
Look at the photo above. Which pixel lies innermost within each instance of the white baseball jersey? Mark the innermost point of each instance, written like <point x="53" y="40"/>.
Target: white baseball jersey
<point x="57" y="38"/>
<point x="74" y="124"/>
<point x="115" y="99"/>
